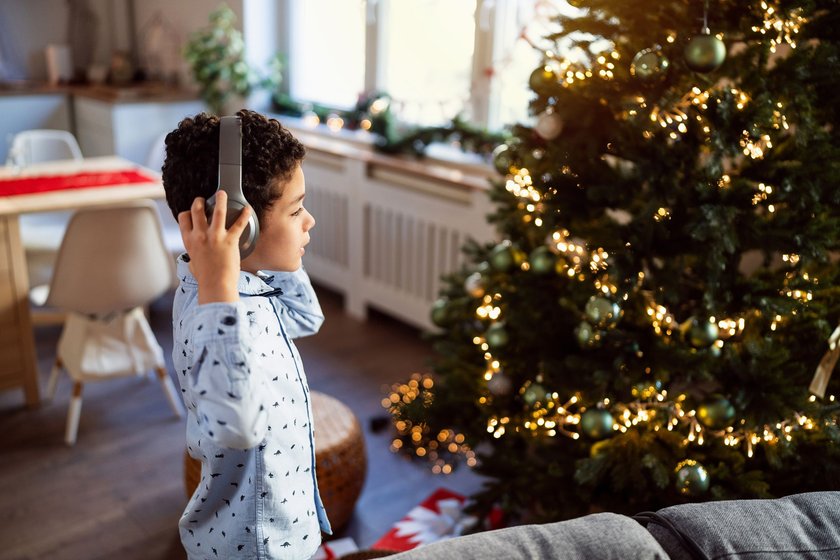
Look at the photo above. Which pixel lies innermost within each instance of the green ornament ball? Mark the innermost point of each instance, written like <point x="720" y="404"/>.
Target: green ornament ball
<point x="586" y="335"/>
<point x="692" y="478"/>
<point x="503" y="158"/>
<point x="702" y="333"/>
<point x="601" y="311"/>
<point x="596" y="423"/>
<point x="649" y="64"/>
<point x="543" y="79"/>
<point x="716" y="413"/>
<point x="502" y="256"/>
<point x="440" y="312"/>
<point x="533" y="393"/>
<point x="705" y="53"/>
<point x="496" y="335"/>
<point x="474" y="285"/>
<point x="542" y="260"/>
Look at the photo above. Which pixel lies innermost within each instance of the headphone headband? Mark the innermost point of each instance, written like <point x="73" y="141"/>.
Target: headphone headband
<point x="230" y="158"/>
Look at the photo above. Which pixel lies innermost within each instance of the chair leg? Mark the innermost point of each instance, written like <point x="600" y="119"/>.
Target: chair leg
<point x="73" y="414"/>
<point x="51" y="384"/>
<point x="171" y="394"/>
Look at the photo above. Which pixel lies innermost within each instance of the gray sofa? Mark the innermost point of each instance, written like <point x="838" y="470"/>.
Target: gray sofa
<point x="802" y="526"/>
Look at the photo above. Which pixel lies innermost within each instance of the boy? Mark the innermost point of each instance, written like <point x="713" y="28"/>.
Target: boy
<point x="249" y="418"/>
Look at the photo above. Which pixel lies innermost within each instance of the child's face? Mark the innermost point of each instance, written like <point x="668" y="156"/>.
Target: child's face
<point x="284" y="231"/>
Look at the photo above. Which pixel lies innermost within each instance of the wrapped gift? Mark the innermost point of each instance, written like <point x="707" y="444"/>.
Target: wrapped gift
<point x="335" y="548"/>
<point x="438" y="517"/>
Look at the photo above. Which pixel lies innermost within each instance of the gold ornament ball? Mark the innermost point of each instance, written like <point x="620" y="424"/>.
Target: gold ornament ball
<point x="596" y="423"/>
<point x="705" y="53"/>
<point x="716" y="413"/>
<point x="543" y="79"/>
<point x="649" y="64"/>
<point x="692" y="478"/>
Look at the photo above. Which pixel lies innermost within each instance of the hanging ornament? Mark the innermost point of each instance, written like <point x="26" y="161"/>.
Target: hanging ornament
<point x="601" y="311"/>
<point x="596" y="423"/>
<point x="650" y="64"/>
<point x="474" y="285"/>
<point x="501" y="257"/>
<point x="549" y="124"/>
<point x="440" y="312"/>
<point x="533" y="393"/>
<point x="702" y="333"/>
<point x="503" y="158"/>
<point x="705" y="52"/>
<point x="542" y="260"/>
<point x="496" y="335"/>
<point x="543" y="79"/>
<point x="716" y="413"/>
<point x="692" y="478"/>
<point x="586" y="335"/>
<point x="500" y="384"/>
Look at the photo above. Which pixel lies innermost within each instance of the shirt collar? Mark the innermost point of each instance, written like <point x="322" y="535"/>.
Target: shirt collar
<point x="248" y="284"/>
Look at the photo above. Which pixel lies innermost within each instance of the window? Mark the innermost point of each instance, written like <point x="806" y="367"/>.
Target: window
<point x="425" y="57"/>
<point x="435" y="58"/>
<point x="327" y="51"/>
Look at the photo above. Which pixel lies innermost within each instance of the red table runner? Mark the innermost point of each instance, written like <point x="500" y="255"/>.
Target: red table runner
<point x="32" y="185"/>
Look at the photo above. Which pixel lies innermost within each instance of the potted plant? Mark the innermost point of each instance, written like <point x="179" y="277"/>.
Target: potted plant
<point x="216" y="55"/>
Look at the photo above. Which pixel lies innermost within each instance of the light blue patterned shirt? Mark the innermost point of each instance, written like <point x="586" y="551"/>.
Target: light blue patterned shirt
<point x="249" y="418"/>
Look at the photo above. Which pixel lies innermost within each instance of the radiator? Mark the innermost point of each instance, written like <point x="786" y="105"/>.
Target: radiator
<point x="384" y="238"/>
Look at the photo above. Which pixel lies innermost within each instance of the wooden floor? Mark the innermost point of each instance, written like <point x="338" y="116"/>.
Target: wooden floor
<point x="119" y="492"/>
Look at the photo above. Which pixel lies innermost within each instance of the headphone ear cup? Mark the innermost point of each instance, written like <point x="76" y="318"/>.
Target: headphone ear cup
<point x="248" y="239"/>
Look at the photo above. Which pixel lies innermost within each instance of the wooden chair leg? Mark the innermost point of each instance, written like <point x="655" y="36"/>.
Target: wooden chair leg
<point x="171" y="393"/>
<point x="73" y="414"/>
<point x="51" y="384"/>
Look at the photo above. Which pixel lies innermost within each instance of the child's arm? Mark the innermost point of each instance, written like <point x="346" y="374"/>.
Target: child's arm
<point x="220" y="385"/>
<point x="301" y="312"/>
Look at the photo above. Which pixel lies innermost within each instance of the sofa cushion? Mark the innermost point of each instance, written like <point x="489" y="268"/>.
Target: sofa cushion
<point x="801" y="526"/>
<point x="601" y="536"/>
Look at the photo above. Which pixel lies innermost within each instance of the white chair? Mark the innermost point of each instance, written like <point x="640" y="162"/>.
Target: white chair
<point x="111" y="263"/>
<point x="171" y="231"/>
<point x="36" y="146"/>
<point x="41" y="232"/>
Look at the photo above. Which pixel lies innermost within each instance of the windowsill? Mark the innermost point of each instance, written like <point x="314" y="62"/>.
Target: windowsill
<point x="441" y="161"/>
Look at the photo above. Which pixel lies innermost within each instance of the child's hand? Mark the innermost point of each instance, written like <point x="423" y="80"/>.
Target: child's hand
<point x="213" y="250"/>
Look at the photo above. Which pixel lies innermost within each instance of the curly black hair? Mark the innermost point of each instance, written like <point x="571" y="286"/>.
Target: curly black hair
<point x="270" y="155"/>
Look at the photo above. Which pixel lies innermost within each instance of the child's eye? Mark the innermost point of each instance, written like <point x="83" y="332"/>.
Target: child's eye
<point x="298" y="211"/>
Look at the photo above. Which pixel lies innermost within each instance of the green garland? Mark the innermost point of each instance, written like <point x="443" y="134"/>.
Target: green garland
<point x="383" y="124"/>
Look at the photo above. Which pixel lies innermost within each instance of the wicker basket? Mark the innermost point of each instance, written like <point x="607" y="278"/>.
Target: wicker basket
<point x="340" y="458"/>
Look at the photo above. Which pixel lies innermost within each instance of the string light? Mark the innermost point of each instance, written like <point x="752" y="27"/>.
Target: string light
<point x="780" y="29"/>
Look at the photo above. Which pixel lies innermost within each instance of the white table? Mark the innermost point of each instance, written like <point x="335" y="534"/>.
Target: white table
<point x="18" y="366"/>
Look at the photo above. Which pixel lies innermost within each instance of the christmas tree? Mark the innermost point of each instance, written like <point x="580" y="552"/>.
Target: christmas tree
<point x="657" y="323"/>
